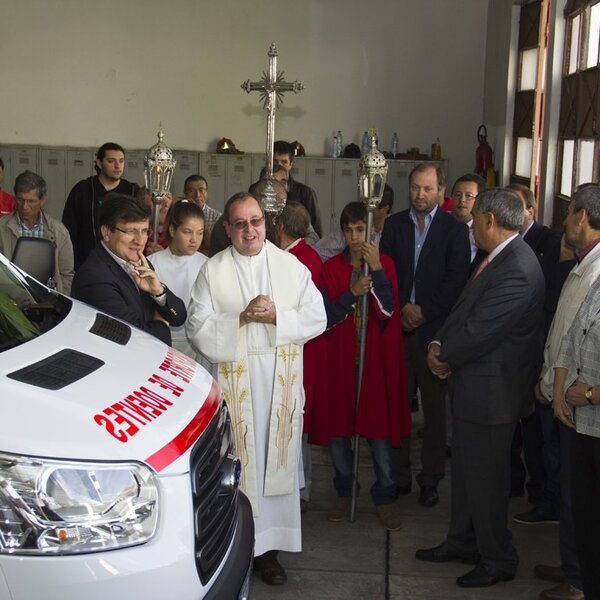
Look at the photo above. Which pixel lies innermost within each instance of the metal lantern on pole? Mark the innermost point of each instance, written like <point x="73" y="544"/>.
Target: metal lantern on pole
<point x="158" y="173"/>
<point x="372" y="173"/>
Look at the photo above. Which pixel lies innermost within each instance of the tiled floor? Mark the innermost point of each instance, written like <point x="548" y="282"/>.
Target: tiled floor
<point x="362" y="560"/>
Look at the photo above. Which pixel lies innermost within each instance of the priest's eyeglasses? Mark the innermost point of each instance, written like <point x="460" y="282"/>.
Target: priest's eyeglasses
<point x="241" y="225"/>
<point x="132" y="233"/>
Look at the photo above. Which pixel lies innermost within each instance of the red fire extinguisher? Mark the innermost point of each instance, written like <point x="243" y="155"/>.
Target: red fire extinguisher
<point x="483" y="155"/>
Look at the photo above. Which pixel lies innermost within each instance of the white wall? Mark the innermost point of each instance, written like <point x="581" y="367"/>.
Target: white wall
<point x="82" y="72"/>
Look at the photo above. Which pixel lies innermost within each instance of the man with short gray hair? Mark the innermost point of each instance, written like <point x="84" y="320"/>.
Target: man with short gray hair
<point x="582" y="232"/>
<point x="30" y="220"/>
<point x="487" y="349"/>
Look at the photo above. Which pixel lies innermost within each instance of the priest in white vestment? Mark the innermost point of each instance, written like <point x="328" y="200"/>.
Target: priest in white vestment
<point x="253" y="307"/>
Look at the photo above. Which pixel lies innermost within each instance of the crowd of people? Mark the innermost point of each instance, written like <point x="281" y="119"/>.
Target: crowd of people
<point x="487" y="318"/>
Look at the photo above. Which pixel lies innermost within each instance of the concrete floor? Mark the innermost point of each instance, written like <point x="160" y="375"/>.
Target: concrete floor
<point x="362" y="560"/>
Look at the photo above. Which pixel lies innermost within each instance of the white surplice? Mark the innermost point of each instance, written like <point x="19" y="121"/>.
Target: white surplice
<point x="178" y="273"/>
<point x="217" y="334"/>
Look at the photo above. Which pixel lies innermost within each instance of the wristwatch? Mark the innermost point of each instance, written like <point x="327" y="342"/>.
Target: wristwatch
<point x="588" y="394"/>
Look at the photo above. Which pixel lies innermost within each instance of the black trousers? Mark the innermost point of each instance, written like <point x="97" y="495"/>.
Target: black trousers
<point x="480" y="478"/>
<point x="433" y="401"/>
<point x="585" y="493"/>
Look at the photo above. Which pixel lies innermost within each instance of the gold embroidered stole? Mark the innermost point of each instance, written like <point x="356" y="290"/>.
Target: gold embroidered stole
<point x="285" y="427"/>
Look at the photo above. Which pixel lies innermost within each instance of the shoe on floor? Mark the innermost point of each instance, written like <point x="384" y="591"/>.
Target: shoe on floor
<point x="340" y="511"/>
<point x="563" y="591"/>
<point x="442" y="553"/>
<point x="271" y="572"/>
<point x="483" y="576"/>
<point x="389" y="515"/>
<point x="428" y="496"/>
<point x="549" y="573"/>
<point x="535" y="516"/>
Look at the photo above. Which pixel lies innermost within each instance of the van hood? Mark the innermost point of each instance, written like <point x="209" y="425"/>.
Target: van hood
<point x="139" y="400"/>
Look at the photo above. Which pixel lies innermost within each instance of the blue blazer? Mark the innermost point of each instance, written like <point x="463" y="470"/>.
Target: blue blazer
<point x="442" y="270"/>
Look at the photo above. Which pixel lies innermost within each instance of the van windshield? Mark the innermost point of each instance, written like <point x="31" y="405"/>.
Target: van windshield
<point x="27" y="308"/>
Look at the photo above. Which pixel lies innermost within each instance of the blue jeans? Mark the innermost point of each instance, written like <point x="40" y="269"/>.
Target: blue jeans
<point x="384" y="490"/>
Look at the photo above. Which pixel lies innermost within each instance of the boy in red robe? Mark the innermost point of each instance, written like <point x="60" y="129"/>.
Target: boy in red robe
<point x="383" y="416"/>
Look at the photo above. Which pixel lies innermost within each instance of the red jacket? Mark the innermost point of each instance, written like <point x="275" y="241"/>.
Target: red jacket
<point x="383" y="408"/>
<point x="316" y="348"/>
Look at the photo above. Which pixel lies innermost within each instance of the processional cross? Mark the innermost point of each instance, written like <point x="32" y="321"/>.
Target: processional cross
<point x="271" y="87"/>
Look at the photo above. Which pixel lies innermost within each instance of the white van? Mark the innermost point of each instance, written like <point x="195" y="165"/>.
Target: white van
<point x="117" y="472"/>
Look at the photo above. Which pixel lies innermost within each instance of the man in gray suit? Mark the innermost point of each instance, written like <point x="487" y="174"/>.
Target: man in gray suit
<point x="488" y="348"/>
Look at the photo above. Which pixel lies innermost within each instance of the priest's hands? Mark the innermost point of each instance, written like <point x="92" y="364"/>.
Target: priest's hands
<point x="259" y="310"/>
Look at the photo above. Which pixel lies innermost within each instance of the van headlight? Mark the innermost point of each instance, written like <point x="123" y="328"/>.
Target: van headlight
<point x="66" y="507"/>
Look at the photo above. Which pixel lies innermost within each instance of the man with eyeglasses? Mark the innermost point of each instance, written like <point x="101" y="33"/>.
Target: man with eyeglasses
<point x="119" y="280"/>
<point x="195" y="188"/>
<point x="253" y="308"/>
<point x="464" y="193"/>
<point x="432" y="255"/>
<point x="30" y="220"/>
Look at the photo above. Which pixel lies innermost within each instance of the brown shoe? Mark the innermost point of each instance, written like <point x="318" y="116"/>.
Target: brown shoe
<point x="340" y="511"/>
<point x="389" y="516"/>
<point x="271" y="572"/>
<point x="564" y="591"/>
<point x="549" y="573"/>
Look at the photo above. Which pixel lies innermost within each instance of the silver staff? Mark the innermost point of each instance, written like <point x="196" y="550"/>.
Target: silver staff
<point x="372" y="173"/>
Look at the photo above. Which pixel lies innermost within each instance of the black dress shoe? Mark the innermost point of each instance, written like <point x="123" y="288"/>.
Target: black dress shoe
<point x="271" y="572"/>
<point x="483" y="576"/>
<point x="441" y="554"/>
<point x="429" y="496"/>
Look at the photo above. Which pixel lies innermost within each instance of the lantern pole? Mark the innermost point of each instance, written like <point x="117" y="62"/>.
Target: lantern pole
<point x="372" y="173"/>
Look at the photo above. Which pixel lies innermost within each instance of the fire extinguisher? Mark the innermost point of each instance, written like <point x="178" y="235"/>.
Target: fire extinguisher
<point x="483" y="155"/>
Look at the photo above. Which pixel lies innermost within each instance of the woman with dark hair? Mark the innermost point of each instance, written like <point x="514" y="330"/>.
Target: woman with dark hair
<point x="178" y="265"/>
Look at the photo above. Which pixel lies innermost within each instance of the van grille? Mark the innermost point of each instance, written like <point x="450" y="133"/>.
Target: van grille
<point x="214" y="488"/>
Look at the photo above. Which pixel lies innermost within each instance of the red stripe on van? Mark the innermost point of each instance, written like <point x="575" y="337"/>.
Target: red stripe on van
<point x="183" y="441"/>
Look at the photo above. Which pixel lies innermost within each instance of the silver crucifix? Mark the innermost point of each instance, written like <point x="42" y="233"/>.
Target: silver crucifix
<point x="271" y="87"/>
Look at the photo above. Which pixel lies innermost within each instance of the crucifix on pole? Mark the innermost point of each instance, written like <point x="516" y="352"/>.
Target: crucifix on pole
<point x="272" y="86"/>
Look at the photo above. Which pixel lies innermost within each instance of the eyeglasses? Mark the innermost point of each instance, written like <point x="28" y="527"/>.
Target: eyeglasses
<point x="241" y="225"/>
<point x="132" y="233"/>
<point x="467" y="196"/>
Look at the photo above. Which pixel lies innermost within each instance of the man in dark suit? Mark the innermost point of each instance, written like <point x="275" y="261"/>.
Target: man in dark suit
<point x="545" y="242"/>
<point x="117" y="278"/>
<point x="283" y="155"/>
<point x="432" y="253"/>
<point x="540" y="238"/>
<point x="489" y="347"/>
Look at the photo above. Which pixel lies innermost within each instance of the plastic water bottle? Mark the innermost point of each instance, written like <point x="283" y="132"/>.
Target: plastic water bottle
<point x="395" y="144"/>
<point x="334" y="147"/>
<point x="340" y="143"/>
<point x="365" y="144"/>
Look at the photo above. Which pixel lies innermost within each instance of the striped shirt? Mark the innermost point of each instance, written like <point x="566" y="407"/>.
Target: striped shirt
<point x="37" y="231"/>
